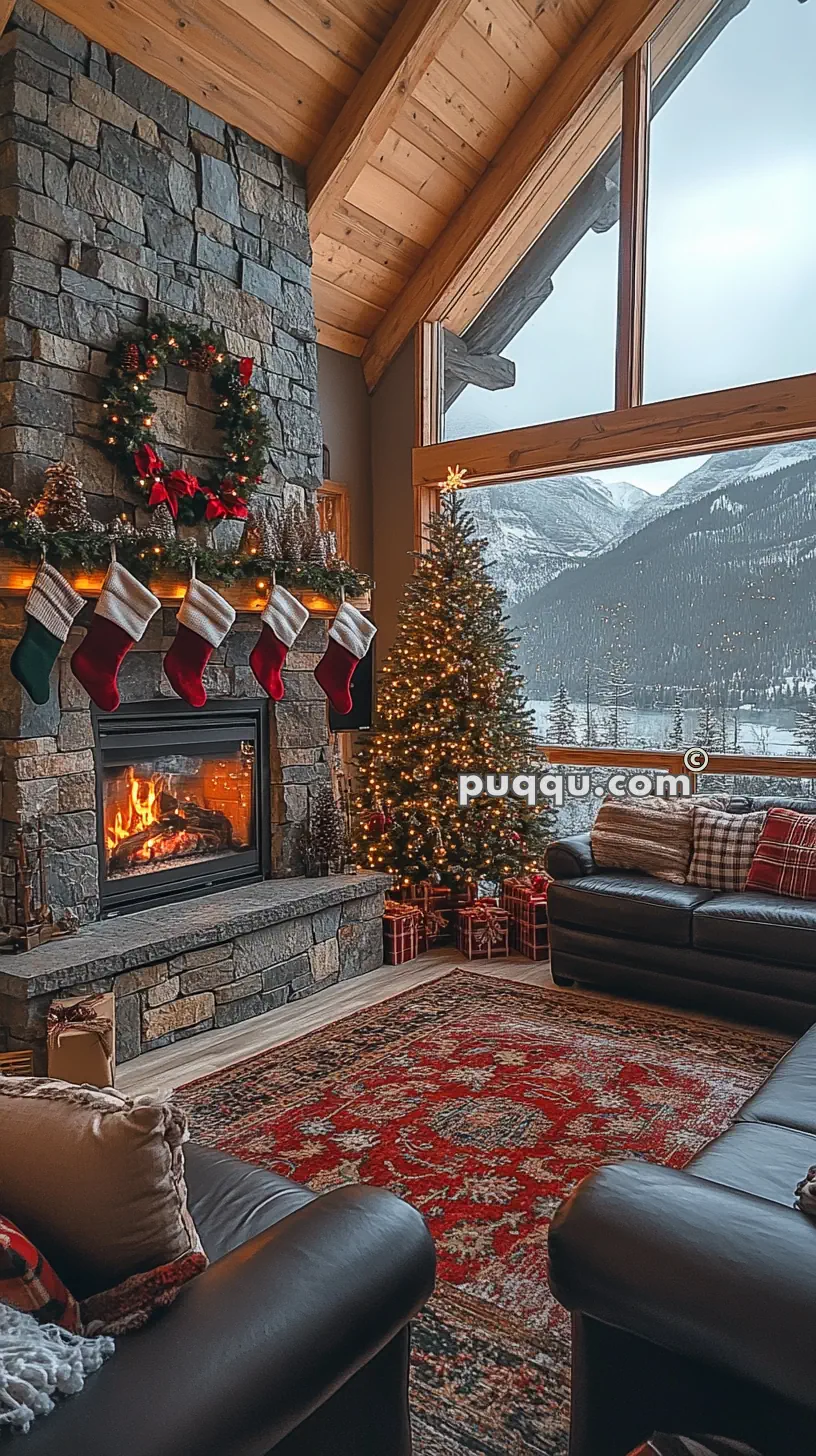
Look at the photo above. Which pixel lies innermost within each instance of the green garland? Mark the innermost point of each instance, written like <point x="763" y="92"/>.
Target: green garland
<point x="129" y="410"/>
<point x="147" y="554"/>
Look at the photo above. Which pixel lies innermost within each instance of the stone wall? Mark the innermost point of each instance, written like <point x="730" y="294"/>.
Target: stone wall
<point x="186" y="969"/>
<point x="119" y="198"/>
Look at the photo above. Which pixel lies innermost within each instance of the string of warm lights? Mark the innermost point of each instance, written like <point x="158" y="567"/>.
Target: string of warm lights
<point x="450" y="700"/>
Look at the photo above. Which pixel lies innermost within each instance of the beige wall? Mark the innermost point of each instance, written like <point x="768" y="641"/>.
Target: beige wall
<point x="345" y="410"/>
<point x="392" y="440"/>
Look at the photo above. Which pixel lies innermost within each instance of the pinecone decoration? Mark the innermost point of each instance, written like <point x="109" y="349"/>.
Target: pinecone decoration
<point x="10" y="507"/>
<point x="62" y="505"/>
<point x="270" y="523"/>
<point x="162" y="526"/>
<point x="325" y="839"/>
<point x="131" y="360"/>
<point x="201" y="357"/>
<point x="121" y="529"/>
<point x="297" y="533"/>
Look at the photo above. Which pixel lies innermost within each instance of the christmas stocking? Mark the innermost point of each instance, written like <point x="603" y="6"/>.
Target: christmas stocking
<point x="204" y="619"/>
<point x="120" y="617"/>
<point x="51" y="607"/>
<point x="350" y="637"/>
<point x="283" y="618"/>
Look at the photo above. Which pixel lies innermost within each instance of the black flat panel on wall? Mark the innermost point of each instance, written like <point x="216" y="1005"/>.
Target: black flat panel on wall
<point x="362" y="698"/>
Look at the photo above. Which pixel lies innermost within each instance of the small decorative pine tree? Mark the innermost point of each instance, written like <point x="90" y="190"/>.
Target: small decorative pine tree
<point x="325" y="835"/>
<point x="561" y="722"/>
<point x="677" y="733"/>
<point x="62" y="505"/>
<point x="805" y="729"/>
<point x="450" y="701"/>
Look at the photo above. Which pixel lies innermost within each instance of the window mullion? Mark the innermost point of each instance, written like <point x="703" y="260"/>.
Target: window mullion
<point x="634" y="185"/>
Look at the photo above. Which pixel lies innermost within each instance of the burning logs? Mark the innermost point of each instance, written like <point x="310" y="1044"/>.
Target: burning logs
<point x="180" y="829"/>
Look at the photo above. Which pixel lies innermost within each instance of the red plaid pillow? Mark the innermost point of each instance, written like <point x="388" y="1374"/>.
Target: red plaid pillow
<point x="28" y="1283"/>
<point x="785" y="858"/>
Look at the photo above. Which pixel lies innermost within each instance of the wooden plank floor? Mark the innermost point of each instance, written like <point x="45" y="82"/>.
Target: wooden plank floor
<point x="161" y="1071"/>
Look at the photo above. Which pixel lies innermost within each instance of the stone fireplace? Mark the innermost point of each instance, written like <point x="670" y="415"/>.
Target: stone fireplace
<point x="120" y="200"/>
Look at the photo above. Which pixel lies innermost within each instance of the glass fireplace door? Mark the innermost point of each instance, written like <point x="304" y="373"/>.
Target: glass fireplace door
<point x="182" y="801"/>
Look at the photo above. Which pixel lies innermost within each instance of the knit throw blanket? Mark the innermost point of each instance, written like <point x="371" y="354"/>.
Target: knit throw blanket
<point x="38" y="1362"/>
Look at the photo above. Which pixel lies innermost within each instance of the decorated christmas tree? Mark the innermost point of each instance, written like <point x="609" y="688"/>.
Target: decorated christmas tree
<point x="450" y="701"/>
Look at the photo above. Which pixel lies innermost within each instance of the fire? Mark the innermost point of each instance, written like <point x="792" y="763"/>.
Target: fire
<point x="142" y="813"/>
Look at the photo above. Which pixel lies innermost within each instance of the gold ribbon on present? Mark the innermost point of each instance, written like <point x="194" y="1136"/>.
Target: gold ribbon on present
<point x="81" y="1016"/>
<point x="392" y="909"/>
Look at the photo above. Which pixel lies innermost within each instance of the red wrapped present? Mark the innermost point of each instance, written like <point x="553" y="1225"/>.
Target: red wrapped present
<point x="402" y="924"/>
<point x="483" y="930"/>
<point x="438" y="904"/>
<point x="525" y="899"/>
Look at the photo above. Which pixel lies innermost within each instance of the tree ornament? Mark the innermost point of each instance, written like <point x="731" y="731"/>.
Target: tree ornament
<point x="120" y="618"/>
<point x="62" y="505"/>
<point x="350" y="637"/>
<point x="282" y="621"/>
<point x="51" y="606"/>
<point x="204" y="619"/>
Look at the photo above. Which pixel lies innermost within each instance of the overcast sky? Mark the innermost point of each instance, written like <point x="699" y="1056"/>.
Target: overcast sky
<point x="731" y="261"/>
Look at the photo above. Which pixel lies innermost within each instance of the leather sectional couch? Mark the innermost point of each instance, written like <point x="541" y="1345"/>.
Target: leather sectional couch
<point x="693" y="1293"/>
<point x="294" y="1340"/>
<point x="749" y="955"/>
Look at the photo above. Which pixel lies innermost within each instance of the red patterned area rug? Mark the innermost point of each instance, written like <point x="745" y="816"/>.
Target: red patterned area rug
<point x="483" y="1102"/>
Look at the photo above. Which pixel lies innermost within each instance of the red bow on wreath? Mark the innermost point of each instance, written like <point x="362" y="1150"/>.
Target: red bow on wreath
<point x="172" y="488"/>
<point x="147" y="462"/>
<point x="245" y="368"/>
<point x="226" y="507"/>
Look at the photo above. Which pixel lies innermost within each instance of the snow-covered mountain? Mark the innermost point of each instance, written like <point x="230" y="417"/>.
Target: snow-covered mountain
<point x="716" y="474"/>
<point x="536" y="528"/>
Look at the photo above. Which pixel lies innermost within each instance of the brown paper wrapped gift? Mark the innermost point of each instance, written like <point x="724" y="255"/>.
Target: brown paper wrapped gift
<point x="81" y="1039"/>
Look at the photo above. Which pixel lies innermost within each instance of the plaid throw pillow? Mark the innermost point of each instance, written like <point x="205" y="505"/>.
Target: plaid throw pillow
<point x="649" y="835"/>
<point x="785" y="859"/>
<point x="724" y="846"/>
<point x="29" y="1284"/>
<point x="664" y="1445"/>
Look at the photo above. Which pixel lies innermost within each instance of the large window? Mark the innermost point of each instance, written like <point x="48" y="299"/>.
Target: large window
<point x="731" y="229"/>
<point x="666" y="605"/>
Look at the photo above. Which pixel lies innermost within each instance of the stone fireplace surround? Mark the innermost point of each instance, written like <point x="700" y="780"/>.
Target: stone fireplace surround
<point x="119" y="199"/>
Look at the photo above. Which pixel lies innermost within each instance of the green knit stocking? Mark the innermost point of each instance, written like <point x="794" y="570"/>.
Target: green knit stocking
<point x="51" y="607"/>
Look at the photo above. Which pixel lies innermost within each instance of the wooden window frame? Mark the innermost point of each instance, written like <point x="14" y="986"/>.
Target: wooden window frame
<point x="768" y="413"/>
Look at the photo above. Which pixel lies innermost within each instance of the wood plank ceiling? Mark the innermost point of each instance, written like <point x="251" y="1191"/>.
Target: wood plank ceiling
<point x="396" y="109"/>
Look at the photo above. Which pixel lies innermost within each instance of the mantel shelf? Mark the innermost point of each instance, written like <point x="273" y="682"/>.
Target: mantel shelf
<point x="244" y="596"/>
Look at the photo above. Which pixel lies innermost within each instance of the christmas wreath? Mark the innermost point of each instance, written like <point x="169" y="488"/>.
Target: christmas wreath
<point x="129" y="411"/>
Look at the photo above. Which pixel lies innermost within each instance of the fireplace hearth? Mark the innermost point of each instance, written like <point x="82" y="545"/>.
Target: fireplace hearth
<point x="182" y="801"/>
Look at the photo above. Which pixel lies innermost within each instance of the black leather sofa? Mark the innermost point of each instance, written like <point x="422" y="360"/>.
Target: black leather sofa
<point x="749" y="955"/>
<point x="294" y="1340"/>
<point x="693" y="1293"/>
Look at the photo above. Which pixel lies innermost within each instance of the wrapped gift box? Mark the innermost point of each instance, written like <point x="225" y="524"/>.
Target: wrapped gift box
<point x="402" y="925"/>
<point x="483" y="930"/>
<point x="525" y="899"/>
<point x="81" y="1039"/>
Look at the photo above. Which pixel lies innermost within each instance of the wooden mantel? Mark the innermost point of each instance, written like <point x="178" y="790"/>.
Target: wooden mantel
<point x="245" y="596"/>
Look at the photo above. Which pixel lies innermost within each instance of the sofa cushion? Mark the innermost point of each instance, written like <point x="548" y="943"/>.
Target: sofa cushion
<point x="723" y="847"/>
<point x="766" y="1161"/>
<point x="785" y="859"/>
<point x="650" y="835"/>
<point x="761" y="927"/>
<point x="788" y="1097"/>
<point x="635" y="906"/>
<point x="95" y="1178"/>
<point x="232" y="1201"/>
<point x="29" y="1284"/>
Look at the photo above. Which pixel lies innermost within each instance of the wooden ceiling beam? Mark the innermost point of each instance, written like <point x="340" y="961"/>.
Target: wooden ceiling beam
<point x="552" y="121"/>
<point x="374" y="104"/>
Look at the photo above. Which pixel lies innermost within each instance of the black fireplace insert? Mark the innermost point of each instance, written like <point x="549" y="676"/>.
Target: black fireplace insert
<point x="182" y="800"/>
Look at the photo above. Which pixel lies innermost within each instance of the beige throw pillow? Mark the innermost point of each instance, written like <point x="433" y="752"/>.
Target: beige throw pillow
<point x="653" y="836"/>
<point x="95" y="1178"/>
